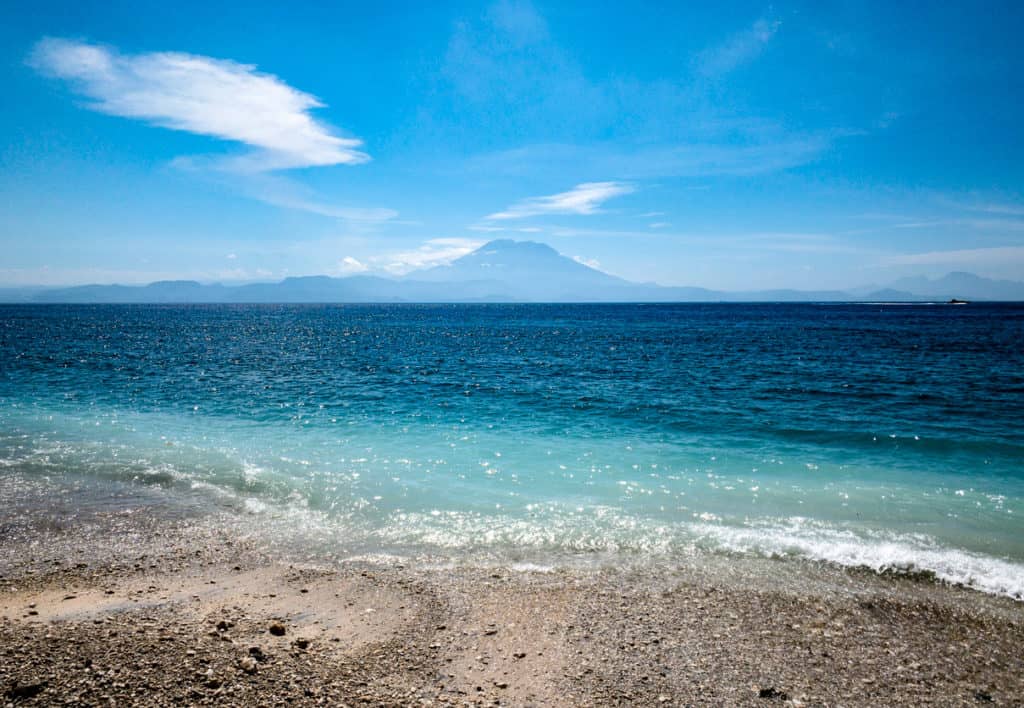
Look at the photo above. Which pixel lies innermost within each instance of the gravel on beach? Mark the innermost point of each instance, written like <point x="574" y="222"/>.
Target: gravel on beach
<point x="190" y="623"/>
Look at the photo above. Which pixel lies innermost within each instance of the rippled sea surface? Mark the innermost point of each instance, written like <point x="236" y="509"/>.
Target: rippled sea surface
<point x="864" y="435"/>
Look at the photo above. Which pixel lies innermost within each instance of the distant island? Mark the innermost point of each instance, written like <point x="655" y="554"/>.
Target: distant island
<point x="506" y="271"/>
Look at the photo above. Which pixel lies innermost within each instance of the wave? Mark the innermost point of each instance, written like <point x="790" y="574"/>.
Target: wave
<point x="338" y="496"/>
<point x="614" y="537"/>
<point x="881" y="552"/>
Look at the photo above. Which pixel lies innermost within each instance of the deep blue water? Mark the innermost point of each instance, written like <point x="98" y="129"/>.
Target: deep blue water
<point x="886" y="436"/>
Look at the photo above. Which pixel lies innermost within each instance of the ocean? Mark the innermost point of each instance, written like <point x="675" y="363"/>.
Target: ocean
<point x="537" y="436"/>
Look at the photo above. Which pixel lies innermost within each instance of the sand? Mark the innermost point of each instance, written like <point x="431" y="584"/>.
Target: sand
<point x="175" y="618"/>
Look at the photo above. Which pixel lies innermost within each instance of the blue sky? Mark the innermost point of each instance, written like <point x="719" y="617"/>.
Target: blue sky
<point x="736" y="146"/>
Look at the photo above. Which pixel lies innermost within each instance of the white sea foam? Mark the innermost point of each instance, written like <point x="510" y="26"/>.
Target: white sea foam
<point x="322" y="493"/>
<point x="612" y="534"/>
<point x="879" y="551"/>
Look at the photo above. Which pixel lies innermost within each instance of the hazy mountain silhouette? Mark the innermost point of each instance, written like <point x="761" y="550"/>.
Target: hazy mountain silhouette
<point x="962" y="285"/>
<point x="503" y="271"/>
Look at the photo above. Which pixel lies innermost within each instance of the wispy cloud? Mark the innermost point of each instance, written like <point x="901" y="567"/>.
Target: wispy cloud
<point x="996" y="208"/>
<point x="290" y="194"/>
<point x="1009" y="225"/>
<point x="350" y="266"/>
<point x="1000" y="255"/>
<point x="972" y="202"/>
<point x="508" y="58"/>
<point x="739" y="49"/>
<point x="696" y="159"/>
<point x="202" y="95"/>
<point x="437" y="251"/>
<point x="583" y="199"/>
<point x="509" y="65"/>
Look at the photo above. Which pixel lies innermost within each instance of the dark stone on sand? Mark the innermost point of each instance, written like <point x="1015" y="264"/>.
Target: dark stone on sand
<point x="983" y="696"/>
<point x="277" y="629"/>
<point x="257" y="653"/>
<point x="772" y="693"/>
<point x="27" y="690"/>
<point x="301" y="643"/>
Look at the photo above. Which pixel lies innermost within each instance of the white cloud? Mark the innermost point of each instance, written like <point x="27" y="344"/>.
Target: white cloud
<point x="1002" y="255"/>
<point x="438" y="251"/>
<point x="349" y="266"/>
<point x="202" y="95"/>
<point x="582" y="199"/>
<point x="232" y="256"/>
<point x="739" y="49"/>
<point x="659" y="225"/>
<point x="591" y="262"/>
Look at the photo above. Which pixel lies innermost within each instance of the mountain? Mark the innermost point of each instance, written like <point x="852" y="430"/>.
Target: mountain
<point x="526" y="270"/>
<point x="167" y="291"/>
<point x="965" y="286"/>
<point x="503" y="271"/>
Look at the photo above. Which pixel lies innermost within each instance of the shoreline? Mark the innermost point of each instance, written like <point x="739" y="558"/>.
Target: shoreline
<point x="188" y="618"/>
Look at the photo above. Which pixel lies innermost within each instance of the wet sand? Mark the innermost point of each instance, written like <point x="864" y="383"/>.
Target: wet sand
<point x="179" y="618"/>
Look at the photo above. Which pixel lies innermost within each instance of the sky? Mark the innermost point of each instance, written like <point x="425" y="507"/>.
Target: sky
<point x="727" y="145"/>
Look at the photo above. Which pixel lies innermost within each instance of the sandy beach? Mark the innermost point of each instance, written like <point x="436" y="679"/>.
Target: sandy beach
<point x="176" y="617"/>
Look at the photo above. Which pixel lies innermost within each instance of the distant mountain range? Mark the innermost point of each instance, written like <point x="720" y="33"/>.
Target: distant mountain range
<point x="504" y="271"/>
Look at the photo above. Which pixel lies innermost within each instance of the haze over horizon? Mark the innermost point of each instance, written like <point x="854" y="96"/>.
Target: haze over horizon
<point x="778" y="146"/>
<point x="505" y="270"/>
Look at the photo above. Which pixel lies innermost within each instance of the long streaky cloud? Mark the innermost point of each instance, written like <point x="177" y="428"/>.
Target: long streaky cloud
<point x="584" y="198"/>
<point x="971" y="256"/>
<point x="202" y="95"/>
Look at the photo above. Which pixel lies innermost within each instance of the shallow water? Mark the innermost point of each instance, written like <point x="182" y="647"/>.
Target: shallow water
<point x="536" y="434"/>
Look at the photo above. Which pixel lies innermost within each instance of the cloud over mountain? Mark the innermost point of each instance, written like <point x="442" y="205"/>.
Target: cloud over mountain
<point x="582" y="199"/>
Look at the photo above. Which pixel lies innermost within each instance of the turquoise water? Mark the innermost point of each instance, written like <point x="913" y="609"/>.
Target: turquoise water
<point x="864" y="435"/>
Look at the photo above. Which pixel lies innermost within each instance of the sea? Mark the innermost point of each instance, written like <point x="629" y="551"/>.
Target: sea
<point x="878" y="436"/>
